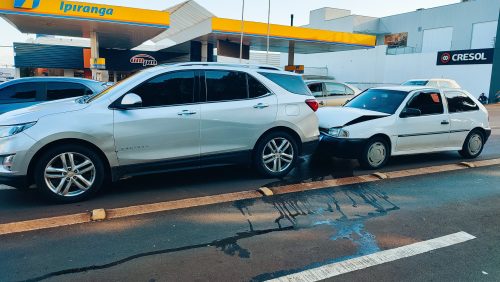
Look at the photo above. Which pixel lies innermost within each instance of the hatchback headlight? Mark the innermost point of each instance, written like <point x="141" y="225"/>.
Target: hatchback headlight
<point x="338" y="132"/>
<point x="9" y="130"/>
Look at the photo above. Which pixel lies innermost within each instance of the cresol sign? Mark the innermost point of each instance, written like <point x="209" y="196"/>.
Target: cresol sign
<point x="465" y="57"/>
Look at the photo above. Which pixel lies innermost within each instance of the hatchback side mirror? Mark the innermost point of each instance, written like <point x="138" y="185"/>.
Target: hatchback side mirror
<point x="410" y="112"/>
<point x="130" y="100"/>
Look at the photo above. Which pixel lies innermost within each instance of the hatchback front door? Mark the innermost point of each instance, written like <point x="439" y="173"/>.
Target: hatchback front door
<point x="166" y="128"/>
<point x="428" y="131"/>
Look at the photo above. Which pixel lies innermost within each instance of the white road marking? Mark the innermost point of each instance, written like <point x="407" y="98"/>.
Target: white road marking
<point x="350" y="265"/>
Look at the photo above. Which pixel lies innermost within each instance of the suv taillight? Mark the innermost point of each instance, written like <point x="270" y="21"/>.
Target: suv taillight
<point x="313" y="104"/>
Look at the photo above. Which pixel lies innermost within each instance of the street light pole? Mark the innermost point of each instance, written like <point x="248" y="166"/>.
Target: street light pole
<point x="242" y="29"/>
<point x="268" y="29"/>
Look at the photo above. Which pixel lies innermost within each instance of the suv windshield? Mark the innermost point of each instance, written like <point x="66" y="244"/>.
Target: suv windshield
<point x="88" y="99"/>
<point x="379" y="100"/>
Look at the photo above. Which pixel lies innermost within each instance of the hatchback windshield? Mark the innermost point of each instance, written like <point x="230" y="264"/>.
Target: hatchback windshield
<point x="379" y="100"/>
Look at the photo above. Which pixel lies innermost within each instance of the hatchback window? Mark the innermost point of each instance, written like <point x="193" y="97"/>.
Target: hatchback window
<point x="226" y="85"/>
<point x="429" y="103"/>
<point x="460" y="102"/>
<point x="334" y="89"/>
<point x="18" y="93"/>
<point x="291" y="83"/>
<point x="62" y="90"/>
<point x="172" y="88"/>
<point x="255" y="88"/>
<point x="379" y="100"/>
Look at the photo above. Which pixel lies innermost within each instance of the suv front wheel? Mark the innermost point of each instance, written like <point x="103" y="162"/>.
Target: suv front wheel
<point x="276" y="154"/>
<point x="69" y="173"/>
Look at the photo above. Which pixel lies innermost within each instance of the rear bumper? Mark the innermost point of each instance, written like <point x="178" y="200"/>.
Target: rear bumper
<point x="309" y="148"/>
<point x="341" y="147"/>
<point x="15" y="181"/>
<point x="488" y="134"/>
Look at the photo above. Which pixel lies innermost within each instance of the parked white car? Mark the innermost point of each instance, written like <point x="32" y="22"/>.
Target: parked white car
<point x="433" y="82"/>
<point x="331" y="93"/>
<point x="403" y="120"/>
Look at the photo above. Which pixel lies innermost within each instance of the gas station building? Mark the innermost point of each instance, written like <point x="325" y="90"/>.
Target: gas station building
<point x="185" y="32"/>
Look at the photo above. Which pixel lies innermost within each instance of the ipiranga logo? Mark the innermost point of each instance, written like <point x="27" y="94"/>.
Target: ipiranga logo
<point x="84" y="8"/>
<point x="26" y="4"/>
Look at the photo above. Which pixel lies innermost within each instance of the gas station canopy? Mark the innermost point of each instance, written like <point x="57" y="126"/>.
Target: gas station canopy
<point x="118" y="27"/>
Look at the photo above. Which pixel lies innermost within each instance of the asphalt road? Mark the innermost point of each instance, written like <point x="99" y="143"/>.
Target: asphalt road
<point x="256" y="240"/>
<point x="16" y="206"/>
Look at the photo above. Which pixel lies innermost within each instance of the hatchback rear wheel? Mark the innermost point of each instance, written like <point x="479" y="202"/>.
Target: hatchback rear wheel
<point x="69" y="173"/>
<point x="473" y="145"/>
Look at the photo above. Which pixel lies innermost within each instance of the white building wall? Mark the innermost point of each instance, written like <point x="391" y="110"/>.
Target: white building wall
<point x="370" y="68"/>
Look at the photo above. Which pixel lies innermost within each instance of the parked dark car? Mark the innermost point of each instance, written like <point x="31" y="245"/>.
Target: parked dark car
<point x="25" y="92"/>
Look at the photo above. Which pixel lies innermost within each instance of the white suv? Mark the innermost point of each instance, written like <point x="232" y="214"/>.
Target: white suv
<point x="162" y="119"/>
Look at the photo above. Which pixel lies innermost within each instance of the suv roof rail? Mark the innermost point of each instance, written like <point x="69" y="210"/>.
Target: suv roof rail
<point x="250" y="66"/>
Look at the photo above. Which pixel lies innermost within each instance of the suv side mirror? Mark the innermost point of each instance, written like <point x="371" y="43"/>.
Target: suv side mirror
<point x="130" y="100"/>
<point x="410" y="112"/>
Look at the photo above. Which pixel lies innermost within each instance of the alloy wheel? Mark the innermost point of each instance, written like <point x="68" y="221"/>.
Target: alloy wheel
<point x="278" y="155"/>
<point x="70" y="174"/>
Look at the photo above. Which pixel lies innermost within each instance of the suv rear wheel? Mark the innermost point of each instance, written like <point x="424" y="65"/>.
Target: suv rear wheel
<point x="276" y="154"/>
<point x="69" y="173"/>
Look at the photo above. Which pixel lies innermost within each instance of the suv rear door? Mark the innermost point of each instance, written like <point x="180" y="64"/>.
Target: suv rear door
<point x="237" y="109"/>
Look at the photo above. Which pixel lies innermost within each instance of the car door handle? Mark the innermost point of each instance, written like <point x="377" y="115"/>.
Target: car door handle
<point x="186" y="113"/>
<point x="261" y="106"/>
<point x="444" y="122"/>
<point x="321" y="103"/>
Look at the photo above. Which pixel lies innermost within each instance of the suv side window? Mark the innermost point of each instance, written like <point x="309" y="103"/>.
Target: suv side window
<point x="225" y="85"/>
<point x="316" y="89"/>
<point x="460" y="102"/>
<point x="335" y="89"/>
<point x="62" y="90"/>
<point x="256" y="88"/>
<point x="19" y="93"/>
<point x="429" y="103"/>
<point x="291" y="83"/>
<point x="173" y="88"/>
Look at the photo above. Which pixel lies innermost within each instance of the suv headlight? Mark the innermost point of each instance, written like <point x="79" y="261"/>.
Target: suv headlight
<point x="338" y="132"/>
<point x="9" y="130"/>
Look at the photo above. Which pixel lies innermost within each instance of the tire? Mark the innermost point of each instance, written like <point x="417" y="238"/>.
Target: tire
<point x="375" y="154"/>
<point x="268" y="163"/>
<point x="69" y="183"/>
<point x="473" y="145"/>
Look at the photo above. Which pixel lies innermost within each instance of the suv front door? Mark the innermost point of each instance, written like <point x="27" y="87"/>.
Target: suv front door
<point x="237" y="110"/>
<point x="430" y="130"/>
<point x="166" y="127"/>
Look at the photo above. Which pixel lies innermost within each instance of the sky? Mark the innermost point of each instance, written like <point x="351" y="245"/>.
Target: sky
<point x="255" y="10"/>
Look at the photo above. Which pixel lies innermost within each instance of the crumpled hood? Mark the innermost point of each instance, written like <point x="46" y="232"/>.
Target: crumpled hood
<point x="343" y="116"/>
<point x="35" y="112"/>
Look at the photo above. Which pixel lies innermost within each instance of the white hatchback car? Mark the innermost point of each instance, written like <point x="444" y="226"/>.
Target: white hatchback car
<point x="403" y="120"/>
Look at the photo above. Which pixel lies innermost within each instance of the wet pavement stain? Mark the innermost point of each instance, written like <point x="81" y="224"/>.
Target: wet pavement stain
<point x="345" y="210"/>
